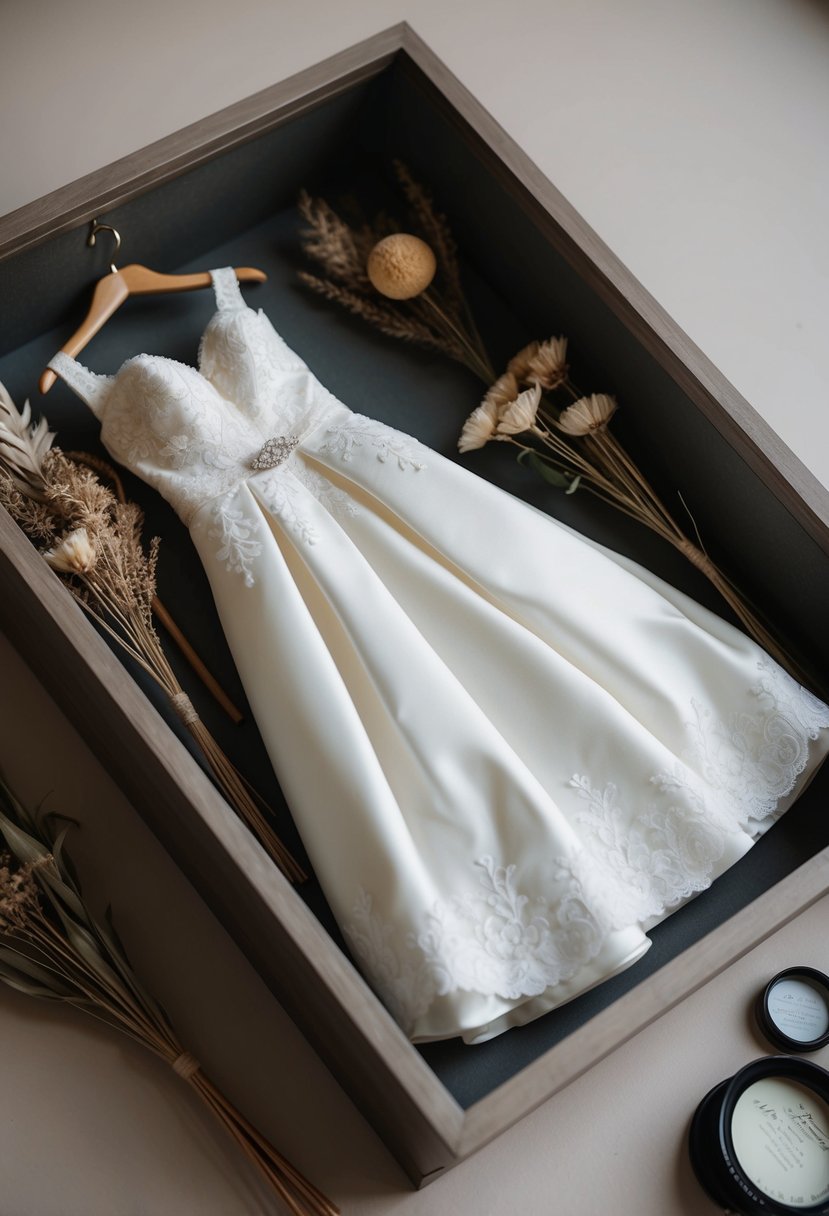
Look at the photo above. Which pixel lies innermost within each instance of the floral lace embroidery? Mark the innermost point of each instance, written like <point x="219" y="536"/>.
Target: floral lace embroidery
<point x="735" y="775"/>
<point x="189" y="442"/>
<point x="235" y="532"/>
<point x="390" y="445"/>
<point x="242" y="355"/>
<point x="494" y="940"/>
<point x="336" y="501"/>
<point x="497" y="940"/>
<point x="280" y="494"/>
<point x="754" y="759"/>
<point x="661" y="857"/>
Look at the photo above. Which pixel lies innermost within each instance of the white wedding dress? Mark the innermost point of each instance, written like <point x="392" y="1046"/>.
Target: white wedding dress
<point x="508" y="750"/>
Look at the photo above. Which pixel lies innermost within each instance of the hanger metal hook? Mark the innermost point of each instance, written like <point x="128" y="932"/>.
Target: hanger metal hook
<point x="96" y="227"/>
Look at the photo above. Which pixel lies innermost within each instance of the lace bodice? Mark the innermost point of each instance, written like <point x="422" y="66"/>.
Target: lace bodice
<point x="195" y="433"/>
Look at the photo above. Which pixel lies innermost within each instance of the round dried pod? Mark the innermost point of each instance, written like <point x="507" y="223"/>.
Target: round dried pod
<point x="401" y="266"/>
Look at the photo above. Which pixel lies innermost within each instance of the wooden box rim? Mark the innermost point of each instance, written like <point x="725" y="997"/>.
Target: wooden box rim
<point x="422" y="1123"/>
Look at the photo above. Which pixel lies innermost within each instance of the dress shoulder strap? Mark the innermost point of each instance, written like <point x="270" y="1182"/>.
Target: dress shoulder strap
<point x="89" y="386"/>
<point x="226" y="287"/>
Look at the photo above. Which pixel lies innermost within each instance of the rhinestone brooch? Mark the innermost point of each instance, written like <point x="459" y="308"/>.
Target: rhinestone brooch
<point x="274" y="451"/>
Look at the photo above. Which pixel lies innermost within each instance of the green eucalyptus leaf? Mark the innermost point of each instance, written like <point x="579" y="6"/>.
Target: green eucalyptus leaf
<point x="551" y="475"/>
<point x="14" y="960"/>
<point x="120" y="961"/>
<point x="57" y="848"/>
<point x="15" y="981"/>
<point x="59" y="815"/>
<point x="87" y="949"/>
<point x="96" y="945"/>
<point x="13" y="806"/>
<point x="54" y="884"/>
<point x="25" y="847"/>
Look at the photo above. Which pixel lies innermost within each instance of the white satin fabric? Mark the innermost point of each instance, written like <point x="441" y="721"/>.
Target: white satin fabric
<point x="509" y="751"/>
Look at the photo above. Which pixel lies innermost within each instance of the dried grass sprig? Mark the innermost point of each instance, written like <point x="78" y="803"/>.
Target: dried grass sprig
<point x="435" y="230"/>
<point x="565" y="437"/>
<point x="53" y="947"/>
<point x="329" y="240"/>
<point x="436" y="317"/>
<point x="160" y="612"/>
<point x="93" y="543"/>
<point x="23" y="445"/>
<point x="388" y="319"/>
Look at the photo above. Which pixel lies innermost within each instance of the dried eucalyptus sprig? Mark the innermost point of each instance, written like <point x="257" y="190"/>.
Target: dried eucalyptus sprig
<point x="565" y="436"/>
<point x="52" y="947"/>
<point x="93" y="542"/>
<point x="406" y="283"/>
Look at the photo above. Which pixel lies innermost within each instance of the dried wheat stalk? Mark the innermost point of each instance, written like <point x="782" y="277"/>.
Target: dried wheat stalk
<point x="93" y="542"/>
<point x="437" y="319"/>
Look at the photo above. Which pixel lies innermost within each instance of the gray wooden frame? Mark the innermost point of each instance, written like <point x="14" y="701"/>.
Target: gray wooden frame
<point x="422" y="1124"/>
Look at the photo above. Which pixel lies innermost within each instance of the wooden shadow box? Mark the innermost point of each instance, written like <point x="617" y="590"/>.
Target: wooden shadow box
<point x="224" y="191"/>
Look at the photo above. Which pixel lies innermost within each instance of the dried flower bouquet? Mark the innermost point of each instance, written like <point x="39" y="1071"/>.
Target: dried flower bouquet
<point x="565" y="436"/>
<point x="93" y="542"/>
<point x="407" y="286"/>
<point x="52" y="947"/>
<point x="561" y="433"/>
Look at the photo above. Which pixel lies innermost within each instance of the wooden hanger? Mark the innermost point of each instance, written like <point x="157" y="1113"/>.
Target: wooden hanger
<point x="113" y="289"/>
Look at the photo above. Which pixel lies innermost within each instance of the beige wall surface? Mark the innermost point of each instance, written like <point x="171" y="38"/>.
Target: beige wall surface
<point x="692" y="135"/>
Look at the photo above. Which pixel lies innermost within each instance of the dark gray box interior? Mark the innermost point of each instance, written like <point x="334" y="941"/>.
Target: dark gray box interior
<point x="239" y="208"/>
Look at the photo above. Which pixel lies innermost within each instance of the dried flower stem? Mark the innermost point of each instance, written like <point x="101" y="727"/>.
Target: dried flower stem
<point x="574" y="447"/>
<point x="52" y="947"/>
<point x="610" y="473"/>
<point x="136" y="635"/>
<point x="96" y="550"/>
<point x="159" y="610"/>
<point x="475" y="356"/>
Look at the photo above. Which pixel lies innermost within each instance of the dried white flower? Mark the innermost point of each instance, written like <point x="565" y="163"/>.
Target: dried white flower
<point x="519" y="364"/>
<point x="587" y="415"/>
<point x="75" y="554"/>
<point x="548" y="365"/>
<point x="479" y="427"/>
<point x="503" y="391"/>
<point x="520" y="414"/>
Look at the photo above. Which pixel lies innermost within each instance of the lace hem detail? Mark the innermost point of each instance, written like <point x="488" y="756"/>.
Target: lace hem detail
<point x="500" y="940"/>
<point x="494" y="940"/>
<point x="738" y="770"/>
<point x="657" y="860"/>
<point x="752" y="760"/>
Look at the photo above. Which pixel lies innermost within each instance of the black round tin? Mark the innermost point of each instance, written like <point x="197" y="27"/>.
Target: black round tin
<point x="793" y="1009"/>
<point x="711" y="1143"/>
